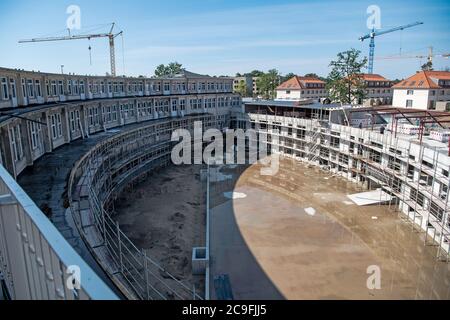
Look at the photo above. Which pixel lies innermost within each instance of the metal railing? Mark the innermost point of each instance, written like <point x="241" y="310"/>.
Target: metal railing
<point x="104" y="171"/>
<point x="35" y="260"/>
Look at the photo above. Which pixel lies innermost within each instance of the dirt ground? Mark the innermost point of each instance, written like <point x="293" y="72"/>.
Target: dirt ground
<point x="296" y="235"/>
<point x="165" y="215"/>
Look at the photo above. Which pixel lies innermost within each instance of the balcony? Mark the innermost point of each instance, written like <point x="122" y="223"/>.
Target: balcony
<point x="36" y="262"/>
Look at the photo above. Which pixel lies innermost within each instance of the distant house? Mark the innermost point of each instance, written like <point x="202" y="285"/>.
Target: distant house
<point x="250" y="84"/>
<point x="299" y="88"/>
<point x="425" y="90"/>
<point x="378" y="90"/>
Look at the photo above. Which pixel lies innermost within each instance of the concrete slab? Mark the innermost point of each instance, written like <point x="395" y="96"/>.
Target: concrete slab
<point x="370" y="197"/>
<point x="271" y="248"/>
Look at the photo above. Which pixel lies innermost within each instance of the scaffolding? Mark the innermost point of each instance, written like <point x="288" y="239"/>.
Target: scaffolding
<point x="403" y="169"/>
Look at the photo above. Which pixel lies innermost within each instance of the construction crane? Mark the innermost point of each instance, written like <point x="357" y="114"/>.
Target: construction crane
<point x="429" y="57"/>
<point x="374" y="34"/>
<point x="110" y="35"/>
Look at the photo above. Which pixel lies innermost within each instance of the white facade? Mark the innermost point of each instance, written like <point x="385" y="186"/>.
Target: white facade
<point x="423" y="99"/>
<point x="411" y="98"/>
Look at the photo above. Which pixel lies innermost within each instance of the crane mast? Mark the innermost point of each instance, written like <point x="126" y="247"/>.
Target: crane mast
<point x="374" y="34"/>
<point x="110" y="35"/>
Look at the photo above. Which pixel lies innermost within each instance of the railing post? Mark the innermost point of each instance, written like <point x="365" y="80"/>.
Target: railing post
<point x="119" y="245"/>
<point x="145" y="264"/>
<point x="103" y="225"/>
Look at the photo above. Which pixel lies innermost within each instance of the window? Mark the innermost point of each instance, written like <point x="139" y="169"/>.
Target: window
<point x="114" y="114"/>
<point x="12" y="82"/>
<point x="183" y="105"/>
<point x="108" y="113"/>
<point x="432" y="105"/>
<point x="409" y="103"/>
<point x="47" y="88"/>
<point x="72" y="121"/>
<point x="288" y="91"/>
<point x="166" y="86"/>
<point x="410" y="92"/>
<point x="30" y="88"/>
<point x="81" y="87"/>
<point x="91" y="116"/>
<point x="35" y="131"/>
<point x="60" y="88"/>
<point x="16" y="142"/>
<point x="56" y="125"/>
<point x="37" y="85"/>
<point x="69" y="87"/>
<point x="54" y="88"/>
<point x="174" y="105"/>
<point x="24" y="88"/>
<point x="4" y="89"/>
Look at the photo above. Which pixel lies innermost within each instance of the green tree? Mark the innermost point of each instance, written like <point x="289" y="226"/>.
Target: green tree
<point x="287" y="77"/>
<point x="312" y="75"/>
<point x="267" y="83"/>
<point x="345" y="82"/>
<point x="171" y="68"/>
<point x="254" y="73"/>
<point x="242" y="89"/>
<point x="428" y="66"/>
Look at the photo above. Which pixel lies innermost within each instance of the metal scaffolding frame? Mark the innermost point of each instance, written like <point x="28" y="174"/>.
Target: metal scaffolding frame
<point x="391" y="163"/>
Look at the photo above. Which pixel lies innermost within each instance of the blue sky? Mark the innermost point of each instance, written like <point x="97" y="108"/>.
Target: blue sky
<point x="221" y="37"/>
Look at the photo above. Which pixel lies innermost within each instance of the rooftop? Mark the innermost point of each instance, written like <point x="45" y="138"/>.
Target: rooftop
<point x="373" y="77"/>
<point x="296" y="83"/>
<point x="423" y="80"/>
<point x="306" y="104"/>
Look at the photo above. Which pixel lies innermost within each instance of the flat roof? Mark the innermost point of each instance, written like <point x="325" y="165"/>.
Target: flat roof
<point x="292" y="104"/>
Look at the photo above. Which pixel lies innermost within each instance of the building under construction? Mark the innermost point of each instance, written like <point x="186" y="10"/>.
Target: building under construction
<point x="72" y="145"/>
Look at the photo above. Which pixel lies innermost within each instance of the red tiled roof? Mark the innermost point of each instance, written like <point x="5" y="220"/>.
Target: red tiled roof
<point x="296" y="83"/>
<point x="373" y="77"/>
<point x="423" y="80"/>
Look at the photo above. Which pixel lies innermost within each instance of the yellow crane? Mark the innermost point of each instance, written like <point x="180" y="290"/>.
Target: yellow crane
<point x="429" y="57"/>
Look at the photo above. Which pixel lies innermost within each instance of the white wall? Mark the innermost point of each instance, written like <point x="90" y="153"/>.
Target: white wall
<point x="297" y="94"/>
<point x="420" y="98"/>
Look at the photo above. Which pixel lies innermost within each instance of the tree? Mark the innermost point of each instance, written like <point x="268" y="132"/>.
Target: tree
<point x="255" y="73"/>
<point x="287" y="77"/>
<point x="311" y="75"/>
<point x="428" y="66"/>
<point x="345" y="82"/>
<point x="267" y="83"/>
<point x="242" y="89"/>
<point x="171" y="68"/>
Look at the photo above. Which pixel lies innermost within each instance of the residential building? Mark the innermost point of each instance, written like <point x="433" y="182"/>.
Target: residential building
<point x="299" y="88"/>
<point x="425" y="90"/>
<point x="378" y="90"/>
<point x="250" y="82"/>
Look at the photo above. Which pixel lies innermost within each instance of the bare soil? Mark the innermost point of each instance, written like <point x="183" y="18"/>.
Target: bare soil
<point x="165" y="215"/>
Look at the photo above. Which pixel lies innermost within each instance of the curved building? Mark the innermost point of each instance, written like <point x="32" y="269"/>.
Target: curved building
<point x="81" y="140"/>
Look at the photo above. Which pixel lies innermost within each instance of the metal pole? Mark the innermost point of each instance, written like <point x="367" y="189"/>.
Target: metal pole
<point x="119" y="244"/>
<point x="145" y="264"/>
